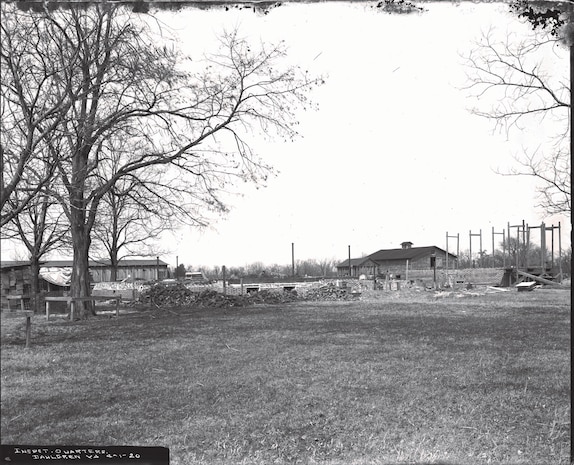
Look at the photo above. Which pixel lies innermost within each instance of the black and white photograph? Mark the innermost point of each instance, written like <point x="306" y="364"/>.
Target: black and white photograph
<point x="295" y="232"/>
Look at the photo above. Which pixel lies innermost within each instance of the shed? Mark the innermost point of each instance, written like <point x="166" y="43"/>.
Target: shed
<point x="396" y="261"/>
<point x="358" y="267"/>
<point x="16" y="279"/>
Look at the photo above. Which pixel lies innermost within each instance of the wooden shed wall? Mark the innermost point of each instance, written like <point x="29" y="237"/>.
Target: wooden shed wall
<point x="14" y="281"/>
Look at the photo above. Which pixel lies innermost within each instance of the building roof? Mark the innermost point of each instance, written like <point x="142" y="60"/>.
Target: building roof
<point x="92" y="263"/>
<point x="107" y="263"/>
<point x="412" y="253"/>
<point x="354" y="262"/>
<point x="14" y="264"/>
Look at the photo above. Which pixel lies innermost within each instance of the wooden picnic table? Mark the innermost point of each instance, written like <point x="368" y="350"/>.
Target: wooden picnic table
<point x="72" y="300"/>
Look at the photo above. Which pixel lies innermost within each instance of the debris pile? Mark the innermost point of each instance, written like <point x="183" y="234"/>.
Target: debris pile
<point x="168" y="296"/>
<point x="272" y="296"/>
<point x="181" y="296"/>
<point x="214" y="299"/>
<point x="332" y="292"/>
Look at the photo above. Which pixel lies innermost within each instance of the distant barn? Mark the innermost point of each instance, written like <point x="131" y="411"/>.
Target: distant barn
<point x="396" y="261"/>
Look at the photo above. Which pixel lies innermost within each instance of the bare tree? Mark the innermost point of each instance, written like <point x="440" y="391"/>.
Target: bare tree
<point x="216" y="270"/>
<point x="179" y="271"/>
<point x="519" y="75"/>
<point x="123" y="230"/>
<point x="255" y="269"/>
<point x="554" y="171"/>
<point x="567" y="262"/>
<point x="135" y="212"/>
<point x="117" y="79"/>
<point x="327" y="265"/>
<point x="42" y="228"/>
<point x="523" y="252"/>
<point x="29" y="113"/>
<point x="464" y="259"/>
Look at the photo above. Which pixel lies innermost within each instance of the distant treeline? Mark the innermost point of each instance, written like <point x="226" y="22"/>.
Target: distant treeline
<point x="303" y="269"/>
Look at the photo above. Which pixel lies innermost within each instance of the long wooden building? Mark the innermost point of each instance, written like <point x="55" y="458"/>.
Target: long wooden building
<point x="16" y="277"/>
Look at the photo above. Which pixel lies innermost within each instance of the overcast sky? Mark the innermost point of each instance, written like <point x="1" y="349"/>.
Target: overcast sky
<point x="393" y="153"/>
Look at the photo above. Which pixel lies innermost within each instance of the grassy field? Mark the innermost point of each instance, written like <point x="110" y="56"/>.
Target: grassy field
<point x="387" y="380"/>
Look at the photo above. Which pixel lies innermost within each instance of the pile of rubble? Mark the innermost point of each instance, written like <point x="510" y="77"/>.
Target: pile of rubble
<point x="332" y="292"/>
<point x="181" y="296"/>
<point x="167" y="296"/>
<point x="272" y="296"/>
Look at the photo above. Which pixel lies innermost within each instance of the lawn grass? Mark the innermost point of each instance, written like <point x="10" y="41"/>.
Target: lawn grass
<point x="473" y="380"/>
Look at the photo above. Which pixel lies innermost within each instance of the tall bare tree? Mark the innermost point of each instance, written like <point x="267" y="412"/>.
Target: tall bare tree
<point x="133" y="215"/>
<point x="29" y="113"/>
<point x="117" y="78"/>
<point x="520" y="76"/>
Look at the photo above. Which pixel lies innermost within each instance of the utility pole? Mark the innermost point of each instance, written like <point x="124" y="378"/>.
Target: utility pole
<point x="457" y="249"/>
<point x="470" y="235"/>
<point x="518" y="230"/>
<point x="543" y="247"/>
<point x="293" y="259"/>
<point x="560" y="250"/>
<point x="503" y="247"/>
<point x="350" y="269"/>
<point x="433" y="266"/>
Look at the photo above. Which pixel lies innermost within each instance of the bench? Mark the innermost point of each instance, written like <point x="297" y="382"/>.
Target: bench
<point x="72" y="300"/>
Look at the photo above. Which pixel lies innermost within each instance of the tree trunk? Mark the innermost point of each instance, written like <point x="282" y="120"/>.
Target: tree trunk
<point x="80" y="232"/>
<point x="80" y="286"/>
<point x="35" y="284"/>
<point x="114" y="266"/>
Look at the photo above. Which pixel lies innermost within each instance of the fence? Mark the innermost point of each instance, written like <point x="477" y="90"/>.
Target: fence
<point x="490" y="276"/>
